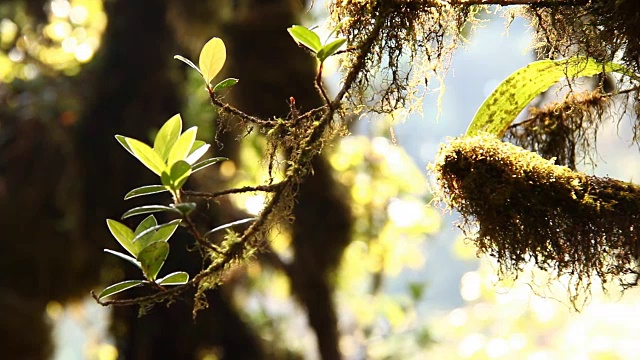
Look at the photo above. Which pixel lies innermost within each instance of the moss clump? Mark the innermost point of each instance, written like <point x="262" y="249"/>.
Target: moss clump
<point x="528" y="209"/>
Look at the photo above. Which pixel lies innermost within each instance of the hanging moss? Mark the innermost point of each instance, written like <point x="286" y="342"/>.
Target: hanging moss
<point x="565" y="130"/>
<point x="525" y="208"/>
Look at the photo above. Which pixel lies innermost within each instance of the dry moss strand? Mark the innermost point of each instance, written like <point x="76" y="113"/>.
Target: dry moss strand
<point x="526" y="208"/>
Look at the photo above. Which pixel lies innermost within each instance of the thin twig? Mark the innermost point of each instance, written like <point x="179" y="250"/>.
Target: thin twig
<point x="207" y="195"/>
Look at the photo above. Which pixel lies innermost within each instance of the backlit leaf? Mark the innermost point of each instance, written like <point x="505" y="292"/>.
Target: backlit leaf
<point x="146" y="155"/>
<point x="176" y="278"/>
<point x="305" y="37"/>
<point x="157" y="233"/>
<point x="152" y="258"/>
<point x="225" y="84"/>
<point x="123" y="256"/>
<point x="228" y="225"/>
<point x="123" y="234"/>
<point x="188" y="62"/>
<point x="330" y="49"/>
<point x="501" y="108"/>
<point x="198" y="149"/>
<point x="212" y="58"/>
<point x="204" y="163"/>
<point x="145" y="190"/>
<point x="148" y="209"/>
<point x="181" y="148"/>
<point x="148" y="222"/>
<point x="167" y="136"/>
<point x="121" y="286"/>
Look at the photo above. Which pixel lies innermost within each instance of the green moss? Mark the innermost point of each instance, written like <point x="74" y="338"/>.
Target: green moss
<point x="525" y="208"/>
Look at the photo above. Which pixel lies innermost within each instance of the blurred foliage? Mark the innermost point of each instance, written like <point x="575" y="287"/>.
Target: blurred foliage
<point x="69" y="38"/>
<point x="531" y="318"/>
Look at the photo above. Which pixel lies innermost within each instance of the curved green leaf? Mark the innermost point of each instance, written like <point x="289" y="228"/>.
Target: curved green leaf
<point x="167" y="136"/>
<point x="146" y="155"/>
<point x="123" y="141"/>
<point x="512" y="95"/>
<point x="198" y="149"/>
<point x="119" y="287"/>
<point x="305" y="37"/>
<point x="228" y="225"/>
<point x="225" y="84"/>
<point x="177" y="175"/>
<point x="152" y="258"/>
<point x="212" y="58"/>
<point x="147" y="209"/>
<point x="188" y="62"/>
<point x="145" y="190"/>
<point x="124" y="257"/>
<point x="176" y="278"/>
<point x="204" y="163"/>
<point x="157" y="233"/>
<point x="182" y="147"/>
<point x="123" y="234"/>
<point x="184" y="208"/>
<point x="148" y="222"/>
<point x="330" y="49"/>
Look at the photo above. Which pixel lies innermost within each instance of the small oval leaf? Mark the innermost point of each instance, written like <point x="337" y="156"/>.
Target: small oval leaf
<point x="119" y="287"/>
<point x="146" y="155"/>
<point x="123" y="234"/>
<point x="182" y="147"/>
<point x="204" y="163"/>
<point x="176" y="278"/>
<point x="147" y="209"/>
<point x="225" y="84"/>
<point x="167" y="136"/>
<point x="152" y="258"/>
<point x="184" y="208"/>
<point x="212" y="58"/>
<point x="330" y="49"/>
<point x="145" y="190"/>
<point x="305" y="37"/>
<point x="148" y="222"/>
<point x="157" y="233"/>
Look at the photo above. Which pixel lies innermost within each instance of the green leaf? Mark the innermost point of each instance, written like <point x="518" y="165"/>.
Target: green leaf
<point x="148" y="209"/>
<point x="228" y="225"/>
<point x="181" y="148"/>
<point x="157" y="233"/>
<point x="148" y="222"/>
<point x="176" y="278"/>
<point x="123" y="234"/>
<point x="167" y="136"/>
<point x="225" y="84"/>
<point x="177" y="175"/>
<point x="184" y="208"/>
<point x="152" y="258"/>
<point x="512" y="95"/>
<point x="188" y="62"/>
<point x="123" y="256"/>
<point x="204" y="163"/>
<point x="198" y="149"/>
<point x="145" y="190"/>
<point x="212" y="58"/>
<point x="330" y="49"/>
<point x="305" y="37"/>
<point x="121" y="286"/>
<point x="146" y="155"/>
<point x="123" y="141"/>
